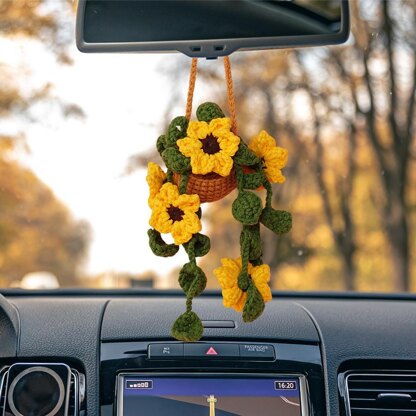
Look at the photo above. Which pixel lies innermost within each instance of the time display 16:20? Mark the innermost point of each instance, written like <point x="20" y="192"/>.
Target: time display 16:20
<point x="285" y="385"/>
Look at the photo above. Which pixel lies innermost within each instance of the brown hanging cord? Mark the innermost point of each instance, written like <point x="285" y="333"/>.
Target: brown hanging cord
<point x="191" y="88"/>
<point x="230" y="91"/>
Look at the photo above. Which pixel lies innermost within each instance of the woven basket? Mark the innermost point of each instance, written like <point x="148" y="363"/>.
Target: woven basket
<point x="211" y="187"/>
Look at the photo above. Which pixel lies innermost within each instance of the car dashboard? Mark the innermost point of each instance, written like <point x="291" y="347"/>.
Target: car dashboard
<point x="111" y="353"/>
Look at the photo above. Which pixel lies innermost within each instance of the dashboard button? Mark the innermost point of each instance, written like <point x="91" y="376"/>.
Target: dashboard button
<point x="257" y="351"/>
<point x="211" y="351"/>
<point x="165" y="351"/>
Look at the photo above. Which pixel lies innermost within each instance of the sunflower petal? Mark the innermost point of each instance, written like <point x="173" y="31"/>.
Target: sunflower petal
<point x="277" y="157"/>
<point x="233" y="298"/>
<point x="227" y="274"/>
<point x="168" y="193"/>
<point x="160" y="220"/>
<point x="274" y="175"/>
<point x="239" y="306"/>
<point x="197" y="130"/>
<point x="260" y="273"/>
<point x="222" y="164"/>
<point x="188" y="202"/>
<point x="219" y="126"/>
<point x="192" y="222"/>
<point x="189" y="146"/>
<point x="180" y="232"/>
<point x="229" y="143"/>
<point x="261" y="277"/>
<point x="201" y="163"/>
<point x="262" y="142"/>
<point x="155" y="178"/>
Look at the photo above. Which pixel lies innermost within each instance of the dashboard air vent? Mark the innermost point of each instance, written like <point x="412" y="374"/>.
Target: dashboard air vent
<point x="76" y="387"/>
<point x="3" y="373"/>
<point x="76" y="394"/>
<point x="381" y="394"/>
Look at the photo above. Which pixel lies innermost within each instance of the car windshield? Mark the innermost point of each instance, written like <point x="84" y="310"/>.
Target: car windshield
<point x="78" y="130"/>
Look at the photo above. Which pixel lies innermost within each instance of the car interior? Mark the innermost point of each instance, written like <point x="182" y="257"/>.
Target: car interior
<point x="302" y="349"/>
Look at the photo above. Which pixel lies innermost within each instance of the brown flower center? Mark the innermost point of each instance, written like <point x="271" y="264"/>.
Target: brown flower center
<point x="210" y="145"/>
<point x="175" y="213"/>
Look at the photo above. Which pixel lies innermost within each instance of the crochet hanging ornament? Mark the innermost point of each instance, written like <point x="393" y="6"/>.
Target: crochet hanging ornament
<point x="205" y="161"/>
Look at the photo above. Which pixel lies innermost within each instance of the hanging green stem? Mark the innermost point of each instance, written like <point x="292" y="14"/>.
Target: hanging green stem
<point x="192" y="279"/>
<point x="240" y="178"/>
<point x="184" y="183"/>
<point x="267" y="185"/>
<point x="244" y="278"/>
<point x="188" y="304"/>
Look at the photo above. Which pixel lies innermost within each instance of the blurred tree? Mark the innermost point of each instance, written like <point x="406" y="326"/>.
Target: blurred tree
<point x="380" y="69"/>
<point x="37" y="231"/>
<point x="336" y="197"/>
<point x="46" y="21"/>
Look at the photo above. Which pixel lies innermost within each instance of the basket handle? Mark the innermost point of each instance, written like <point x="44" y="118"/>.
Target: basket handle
<point x="230" y="91"/>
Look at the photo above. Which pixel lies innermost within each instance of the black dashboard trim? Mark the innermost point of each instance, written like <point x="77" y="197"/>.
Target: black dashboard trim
<point x="154" y="293"/>
<point x="9" y="328"/>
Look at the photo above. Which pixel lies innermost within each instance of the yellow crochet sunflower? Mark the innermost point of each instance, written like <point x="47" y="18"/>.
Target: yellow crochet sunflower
<point x="155" y="179"/>
<point x="176" y="214"/>
<point x="210" y="146"/>
<point x="274" y="157"/>
<point x="233" y="296"/>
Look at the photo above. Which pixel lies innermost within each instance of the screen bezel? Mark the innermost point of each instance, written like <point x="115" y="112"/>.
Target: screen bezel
<point x="303" y="386"/>
<point x="208" y="48"/>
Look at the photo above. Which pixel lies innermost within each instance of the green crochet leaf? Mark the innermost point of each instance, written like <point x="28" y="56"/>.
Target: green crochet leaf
<point x="245" y="157"/>
<point x="192" y="280"/>
<point x="209" y="111"/>
<point x="161" y="144"/>
<point x="280" y="222"/>
<point x="251" y="234"/>
<point x="253" y="180"/>
<point x="176" y="130"/>
<point x="188" y="327"/>
<point x="176" y="161"/>
<point x="247" y="208"/>
<point x="159" y="247"/>
<point x="254" y="306"/>
<point x="243" y="281"/>
<point x="201" y="245"/>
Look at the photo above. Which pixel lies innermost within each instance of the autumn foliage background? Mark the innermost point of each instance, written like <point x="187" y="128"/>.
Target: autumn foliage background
<point x="346" y="114"/>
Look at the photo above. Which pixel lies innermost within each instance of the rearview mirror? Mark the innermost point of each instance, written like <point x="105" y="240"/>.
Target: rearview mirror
<point x="208" y="28"/>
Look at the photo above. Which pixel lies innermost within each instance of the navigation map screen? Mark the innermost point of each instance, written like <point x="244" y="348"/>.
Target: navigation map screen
<point x="209" y="396"/>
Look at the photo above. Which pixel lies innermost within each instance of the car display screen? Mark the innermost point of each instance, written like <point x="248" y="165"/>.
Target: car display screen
<point x="209" y="396"/>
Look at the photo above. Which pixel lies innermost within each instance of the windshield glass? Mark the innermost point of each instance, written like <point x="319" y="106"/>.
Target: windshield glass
<point x="77" y="131"/>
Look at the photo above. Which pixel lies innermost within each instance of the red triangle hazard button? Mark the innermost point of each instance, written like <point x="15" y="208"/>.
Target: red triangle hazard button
<point x="211" y="351"/>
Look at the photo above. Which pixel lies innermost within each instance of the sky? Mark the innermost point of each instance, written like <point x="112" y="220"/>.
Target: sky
<point x="124" y="97"/>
